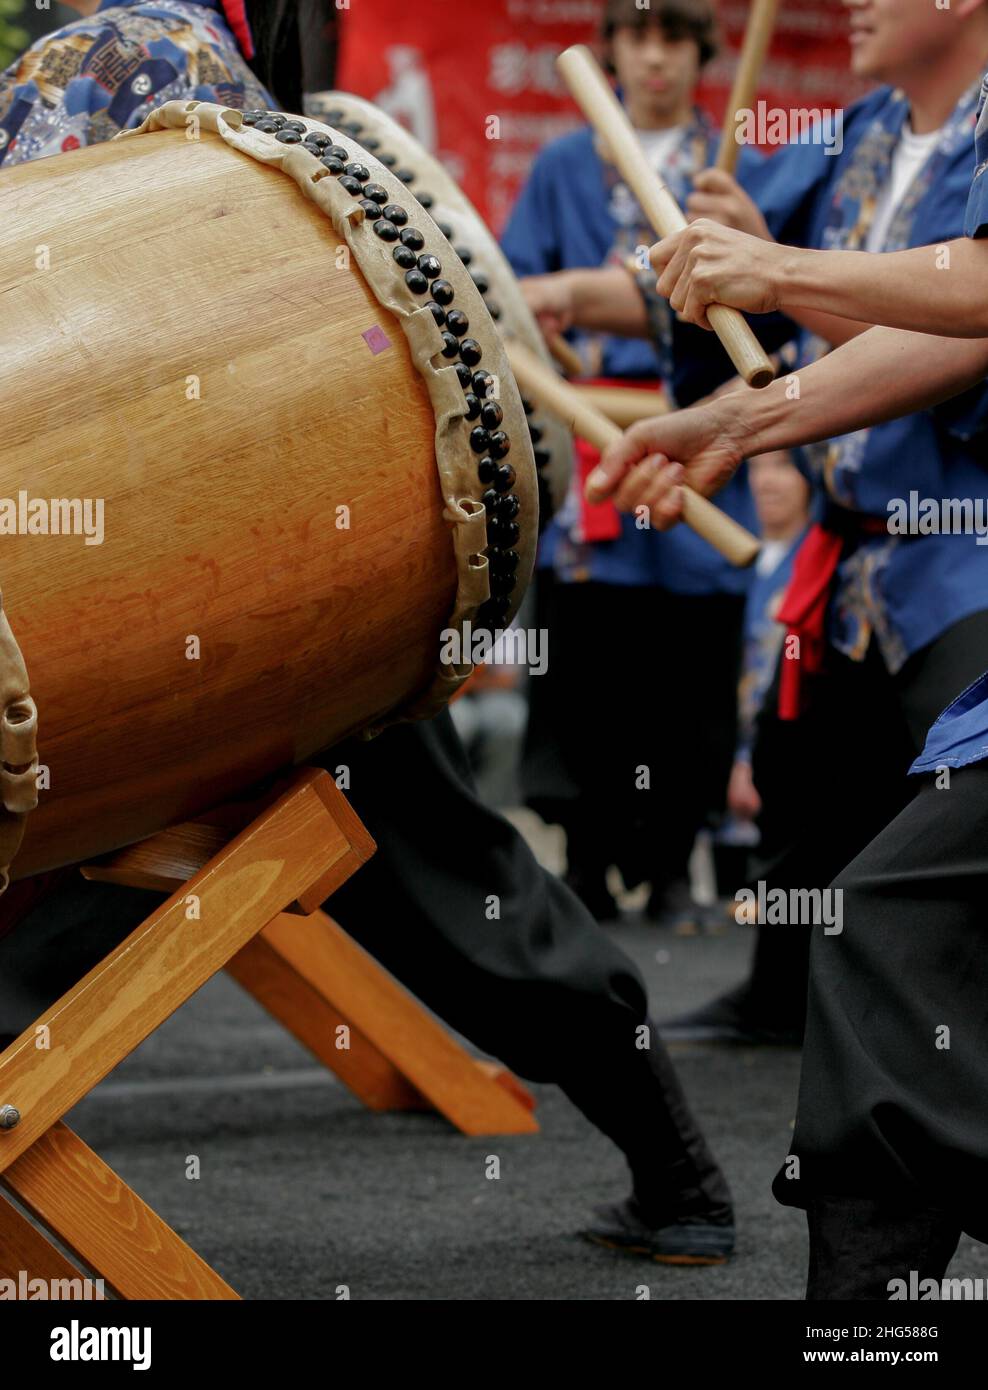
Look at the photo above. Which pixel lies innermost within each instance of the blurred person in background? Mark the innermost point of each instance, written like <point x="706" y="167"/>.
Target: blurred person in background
<point x="770" y="1005"/>
<point x="617" y="598"/>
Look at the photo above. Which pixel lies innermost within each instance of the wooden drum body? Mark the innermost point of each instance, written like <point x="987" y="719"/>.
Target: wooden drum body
<point x="203" y="335"/>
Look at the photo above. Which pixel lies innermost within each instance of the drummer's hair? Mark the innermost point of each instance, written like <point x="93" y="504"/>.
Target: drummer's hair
<point x="277" y="60"/>
<point x="678" y="19"/>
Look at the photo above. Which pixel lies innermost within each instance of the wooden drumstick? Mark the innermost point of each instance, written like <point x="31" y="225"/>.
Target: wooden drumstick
<point x="593" y="95"/>
<point x="564" y="354"/>
<point x="757" y="37"/>
<point x="545" y="388"/>
<point x="624" y="405"/>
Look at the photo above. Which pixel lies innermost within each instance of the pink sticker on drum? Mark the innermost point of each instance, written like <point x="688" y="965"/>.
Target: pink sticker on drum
<point x="376" y="339"/>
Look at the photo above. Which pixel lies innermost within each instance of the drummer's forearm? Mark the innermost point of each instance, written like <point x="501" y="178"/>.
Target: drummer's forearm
<point x="608" y="301"/>
<point x="941" y="289"/>
<point x="877" y="376"/>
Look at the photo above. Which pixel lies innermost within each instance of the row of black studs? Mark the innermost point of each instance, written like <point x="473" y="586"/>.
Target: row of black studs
<point x="423" y="274"/>
<point x="337" y="119"/>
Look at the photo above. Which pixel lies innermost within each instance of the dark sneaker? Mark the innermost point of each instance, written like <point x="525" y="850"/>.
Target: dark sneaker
<point x="729" y="1019"/>
<point x="692" y="1240"/>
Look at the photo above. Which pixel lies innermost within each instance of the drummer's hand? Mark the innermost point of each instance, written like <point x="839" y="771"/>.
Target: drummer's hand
<point x="710" y="264"/>
<point x="551" y="300"/>
<point x="719" y="196"/>
<point x="648" y="465"/>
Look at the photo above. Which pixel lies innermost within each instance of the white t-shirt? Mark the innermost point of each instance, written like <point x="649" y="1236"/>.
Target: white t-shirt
<point x="910" y="155"/>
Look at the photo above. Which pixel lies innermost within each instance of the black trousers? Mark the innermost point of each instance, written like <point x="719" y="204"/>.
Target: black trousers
<point x="893" y="1101"/>
<point x="637" y="677"/>
<point x="833" y="779"/>
<point x="456" y="906"/>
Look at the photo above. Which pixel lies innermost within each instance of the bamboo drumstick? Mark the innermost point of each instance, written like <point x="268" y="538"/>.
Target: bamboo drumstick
<point x="564" y="355"/>
<point x="544" y="387"/>
<point x="624" y="404"/>
<point x="757" y="37"/>
<point x="593" y="95"/>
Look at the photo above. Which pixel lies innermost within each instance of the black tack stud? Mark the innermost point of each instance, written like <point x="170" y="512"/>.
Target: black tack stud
<point x="446" y="229"/>
<point x="481" y="281"/>
<point x="266" y="126"/>
<point x="338" y="152"/>
<point x="479" y="439"/>
<point x="333" y="117"/>
<point x="412" y="238"/>
<point x="493" y="310"/>
<point x="491" y="415"/>
<point x="252" y="117"/>
<point x="430" y="267"/>
<point x="508" y="506"/>
<point x="277" y="120"/>
<point x="504" y="477"/>
<point x="502" y="561"/>
<point x="502" y="583"/>
<point x="490" y="500"/>
<point x="482" y="382"/>
<point x="297" y="126"/>
<point x="333" y="165"/>
<point x="437" y="312"/>
<point x="404" y="257"/>
<point x="351" y="185"/>
<point x="388" y="160"/>
<point x="416" y="281"/>
<point x="542" y="457"/>
<point x="316" y="137"/>
<point x="405" y="175"/>
<point x="527" y="405"/>
<point x="387" y="231"/>
<point x="470" y="351"/>
<point x="426" y="199"/>
<point x="289" y="137"/>
<point x="372" y="144"/>
<point x="487" y="470"/>
<point x="458" y="322"/>
<point x="376" y="192"/>
<point x="535" y="434"/>
<point x="491" y="613"/>
<point x="357" y="171"/>
<point x="473" y="406"/>
<point x="354" y="127"/>
<point x="500" y="443"/>
<point x="396" y="214"/>
<point x="466" y="380"/>
<point x="442" y="292"/>
<point x="503" y="532"/>
<point x="451" y="345"/>
<point x="465" y="255"/>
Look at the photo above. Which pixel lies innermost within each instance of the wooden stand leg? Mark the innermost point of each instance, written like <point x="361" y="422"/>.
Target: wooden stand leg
<point x="25" y="1253"/>
<point x="315" y="978"/>
<point x="292" y="850"/>
<point x="102" y="1221"/>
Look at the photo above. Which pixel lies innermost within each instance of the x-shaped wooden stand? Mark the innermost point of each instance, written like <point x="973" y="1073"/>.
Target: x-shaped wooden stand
<point x="244" y="896"/>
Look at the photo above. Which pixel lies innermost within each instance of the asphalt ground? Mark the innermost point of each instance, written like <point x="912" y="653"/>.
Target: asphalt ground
<point x="302" y="1191"/>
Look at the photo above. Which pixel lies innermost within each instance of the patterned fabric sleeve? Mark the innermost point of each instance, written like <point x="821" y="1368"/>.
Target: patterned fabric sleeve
<point x="100" y="75"/>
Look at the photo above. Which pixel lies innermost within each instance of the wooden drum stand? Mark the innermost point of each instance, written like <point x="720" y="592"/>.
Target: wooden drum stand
<point x="245" y="884"/>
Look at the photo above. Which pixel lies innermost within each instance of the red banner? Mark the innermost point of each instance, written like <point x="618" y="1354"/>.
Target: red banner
<point x="479" y="88"/>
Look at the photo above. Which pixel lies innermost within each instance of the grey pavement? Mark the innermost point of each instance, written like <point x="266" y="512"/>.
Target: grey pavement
<point x="303" y="1191"/>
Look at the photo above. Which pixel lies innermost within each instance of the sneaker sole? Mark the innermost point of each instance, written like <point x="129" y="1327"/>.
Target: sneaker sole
<point x="657" y="1259"/>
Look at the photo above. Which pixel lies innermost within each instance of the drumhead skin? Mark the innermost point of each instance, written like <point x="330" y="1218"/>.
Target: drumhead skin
<point x="476" y="246"/>
<point x="213" y="358"/>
